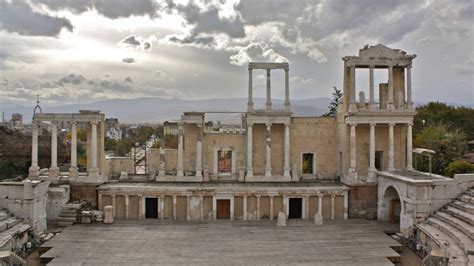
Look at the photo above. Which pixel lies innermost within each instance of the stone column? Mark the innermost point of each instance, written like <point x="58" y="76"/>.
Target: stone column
<point x="201" y="208"/>
<point x="99" y="202"/>
<point x="390" y="105"/>
<point x="162" y="207"/>
<point x="250" y="99"/>
<point x="180" y="167"/>
<point x="346" y="205"/>
<point x="188" y="208"/>
<point x="127" y="207"/>
<point x="306" y="208"/>
<point x="73" y="169"/>
<point x="409" y="147"/>
<point x="114" y="206"/>
<point x="371" y="88"/>
<point x="249" y="150"/>
<point x="271" y="208"/>
<point x="34" y="168"/>
<point x="93" y="171"/>
<point x="162" y="169"/>
<point x="352" y="102"/>
<point x="199" y="153"/>
<point x="244" y="207"/>
<point x="320" y="204"/>
<point x="352" y="166"/>
<point x="54" y="169"/>
<point x="268" y="161"/>
<point x="286" y="163"/>
<point x="333" y="205"/>
<point x="269" y="92"/>
<point x="409" y="99"/>
<point x="287" y="90"/>
<point x="141" y="207"/>
<point x="214" y="208"/>
<point x="371" y="170"/>
<point x="174" y="206"/>
<point x="258" y="207"/>
<point x="391" y="148"/>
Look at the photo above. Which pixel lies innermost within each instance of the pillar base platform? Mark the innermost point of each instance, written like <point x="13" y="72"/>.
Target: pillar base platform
<point x="371" y="176"/>
<point x="268" y="172"/>
<point x="93" y="172"/>
<point x="286" y="172"/>
<point x="372" y="106"/>
<point x="33" y="171"/>
<point x="53" y="171"/>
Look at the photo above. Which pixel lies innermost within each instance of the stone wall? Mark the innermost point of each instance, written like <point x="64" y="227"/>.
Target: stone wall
<point x="58" y="196"/>
<point x="363" y="202"/>
<point x="84" y="192"/>
<point x="116" y="165"/>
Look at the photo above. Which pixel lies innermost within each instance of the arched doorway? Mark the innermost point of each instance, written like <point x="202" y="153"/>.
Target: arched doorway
<point x="393" y="205"/>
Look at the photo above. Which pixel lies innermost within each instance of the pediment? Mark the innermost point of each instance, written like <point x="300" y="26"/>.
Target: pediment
<point x="382" y="51"/>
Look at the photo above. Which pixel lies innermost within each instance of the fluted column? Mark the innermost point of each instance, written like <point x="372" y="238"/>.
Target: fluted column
<point x="199" y="153"/>
<point x="391" y="148"/>
<point x="352" y="165"/>
<point x="390" y="105"/>
<point x="409" y="99"/>
<point x="287" y="90"/>
<point x="180" y="167"/>
<point x="93" y="171"/>
<point x="371" y="170"/>
<point x="352" y="102"/>
<point x="269" y="91"/>
<point x="34" y="168"/>
<point x="54" y="170"/>
<point x="286" y="163"/>
<point x="73" y="169"/>
<point x="249" y="150"/>
<point x="268" y="160"/>
<point x="250" y="99"/>
<point x="371" y="89"/>
<point x="409" y="146"/>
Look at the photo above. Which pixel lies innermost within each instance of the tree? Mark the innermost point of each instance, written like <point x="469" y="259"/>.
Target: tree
<point x="449" y="146"/>
<point x="459" y="167"/>
<point x="337" y="98"/>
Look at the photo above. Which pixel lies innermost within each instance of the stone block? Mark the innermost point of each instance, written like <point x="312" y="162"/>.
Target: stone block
<point x="123" y="176"/>
<point x="281" y="219"/>
<point x="108" y="214"/>
<point x="3" y="192"/>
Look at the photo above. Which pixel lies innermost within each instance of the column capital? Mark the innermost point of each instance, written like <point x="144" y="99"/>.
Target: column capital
<point x="333" y="196"/>
<point x="250" y="124"/>
<point x="391" y="124"/>
<point x="353" y="124"/>
<point x="54" y="122"/>
<point x="94" y="122"/>
<point x="410" y="124"/>
<point x="371" y="66"/>
<point x="409" y="66"/>
<point x="268" y="124"/>
<point x="286" y="69"/>
<point x="73" y="122"/>
<point x="258" y="196"/>
<point x="372" y="124"/>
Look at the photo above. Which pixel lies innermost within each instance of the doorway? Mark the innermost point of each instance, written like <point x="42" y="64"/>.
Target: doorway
<point x="151" y="208"/>
<point x="379" y="160"/>
<point x="295" y="208"/>
<point x="223" y="209"/>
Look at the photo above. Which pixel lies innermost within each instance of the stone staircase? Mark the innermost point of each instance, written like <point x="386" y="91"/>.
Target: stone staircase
<point x="68" y="214"/>
<point x="452" y="227"/>
<point x="12" y="232"/>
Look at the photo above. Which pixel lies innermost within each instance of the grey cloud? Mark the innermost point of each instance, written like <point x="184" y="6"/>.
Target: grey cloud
<point x="128" y="60"/>
<point x="136" y="42"/>
<point x="76" y="6"/>
<point x="128" y="80"/>
<point x="72" y="79"/>
<point x="19" y="17"/>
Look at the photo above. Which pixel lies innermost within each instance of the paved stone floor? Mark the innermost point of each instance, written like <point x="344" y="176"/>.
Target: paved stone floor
<point x="349" y="242"/>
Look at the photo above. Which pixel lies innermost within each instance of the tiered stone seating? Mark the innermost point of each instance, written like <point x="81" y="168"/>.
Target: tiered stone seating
<point x="454" y="224"/>
<point x="9" y="227"/>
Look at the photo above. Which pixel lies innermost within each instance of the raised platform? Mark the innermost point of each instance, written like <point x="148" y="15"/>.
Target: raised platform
<point x="350" y="242"/>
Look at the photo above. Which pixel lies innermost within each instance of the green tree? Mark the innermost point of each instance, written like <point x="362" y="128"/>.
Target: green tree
<point x="449" y="146"/>
<point x="337" y="98"/>
<point x="459" y="167"/>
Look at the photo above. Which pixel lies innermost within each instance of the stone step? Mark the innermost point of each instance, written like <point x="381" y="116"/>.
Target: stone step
<point x="470" y="192"/>
<point x="3" y="215"/>
<point x="467" y="207"/>
<point x="69" y="211"/>
<point x="456" y="254"/>
<point x="462" y="240"/>
<point x="466" y="198"/>
<point x="64" y="224"/>
<point x="458" y="223"/>
<point x="68" y="215"/>
<point x="12" y="221"/>
<point x="465" y="216"/>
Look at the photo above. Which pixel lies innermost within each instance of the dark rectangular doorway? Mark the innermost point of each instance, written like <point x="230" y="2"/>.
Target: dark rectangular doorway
<point x="151" y="208"/>
<point x="223" y="209"/>
<point x="296" y="208"/>
<point x="379" y="160"/>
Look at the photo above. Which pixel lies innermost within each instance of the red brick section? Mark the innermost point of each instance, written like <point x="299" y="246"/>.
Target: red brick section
<point x="363" y="202"/>
<point x="86" y="193"/>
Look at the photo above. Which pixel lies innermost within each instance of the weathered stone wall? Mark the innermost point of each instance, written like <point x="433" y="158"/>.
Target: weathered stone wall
<point x="84" y="192"/>
<point x="58" y="196"/>
<point x="116" y="165"/>
<point x="363" y="202"/>
<point x="211" y="141"/>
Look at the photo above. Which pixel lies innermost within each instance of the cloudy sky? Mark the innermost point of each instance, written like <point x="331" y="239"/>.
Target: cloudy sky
<point x="87" y="50"/>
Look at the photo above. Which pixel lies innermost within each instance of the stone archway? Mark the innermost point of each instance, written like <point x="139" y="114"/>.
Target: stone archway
<point x="390" y="205"/>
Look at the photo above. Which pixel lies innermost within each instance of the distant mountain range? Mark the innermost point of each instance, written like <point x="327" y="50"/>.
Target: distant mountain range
<point x="155" y="109"/>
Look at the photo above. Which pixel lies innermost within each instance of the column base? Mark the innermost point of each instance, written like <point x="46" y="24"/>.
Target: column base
<point x="93" y="172"/>
<point x="180" y="172"/>
<point x="391" y="169"/>
<point x="390" y="106"/>
<point x="286" y="172"/>
<point x="161" y="172"/>
<point x="269" y="107"/>
<point x="250" y="107"/>
<point x="53" y="171"/>
<point x="33" y="171"/>
<point x="249" y="173"/>
<point x="198" y="173"/>
<point x="372" y="106"/>
<point x="73" y="172"/>
<point x="287" y="107"/>
<point x="410" y="106"/>
<point x="410" y="168"/>
<point x="268" y="172"/>
<point x="352" y="107"/>
<point x="371" y="176"/>
<point x="318" y="219"/>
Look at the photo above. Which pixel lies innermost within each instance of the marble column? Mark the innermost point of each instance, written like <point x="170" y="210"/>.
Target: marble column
<point x="352" y="99"/>
<point x="250" y="99"/>
<point x="188" y="208"/>
<point x="352" y="165"/>
<point x="409" y="99"/>
<point x="306" y="208"/>
<point x="249" y="150"/>
<point x="175" y="200"/>
<point x="371" y="89"/>
<point x="199" y="153"/>
<point x="409" y="147"/>
<point x="114" y="206"/>
<point x="287" y="90"/>
<point x="54" y="169"/>
<point x="390" y="105"/>
<point x="180" y="167"/>
<point x="34" y="168"/>
<point x="258" y="207"/>
<point x="244" y="207"/>
<point x="162" y="167"/>
<point x="333" y="206"/>
<point x="141" y="207"/>
<point x="127" y="206"/>
<point x="162" y="207"/>
<point x="99" y="202"/>
<point x="269" y="92"/>
<point x="371" y="170"/>
<point x="93" y="171"/>
<point x="320" y="205"/>
<point x="271" y="208"/>
<point x="73" y="169"/>
<point x="268" y="158"/>
<point x="286" y="163"/>
<point x="391" y="148"/>
<point x="201" y="208"/>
